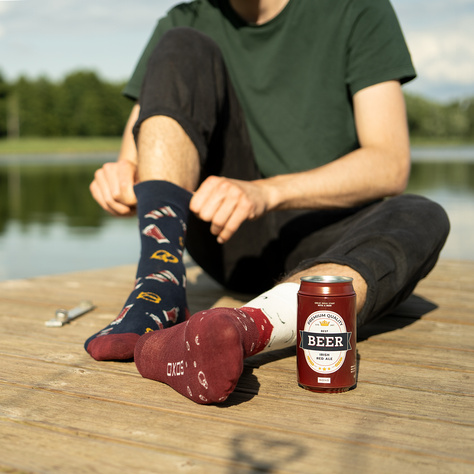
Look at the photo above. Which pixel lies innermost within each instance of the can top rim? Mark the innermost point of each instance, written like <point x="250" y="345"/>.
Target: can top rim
<point x="326" y="279"/>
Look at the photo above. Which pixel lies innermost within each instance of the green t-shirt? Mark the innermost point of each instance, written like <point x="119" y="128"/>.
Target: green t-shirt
<point x="296" y="74"/>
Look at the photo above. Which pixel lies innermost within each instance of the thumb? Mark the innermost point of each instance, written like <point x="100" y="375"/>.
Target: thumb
<point x="127" y="178"/>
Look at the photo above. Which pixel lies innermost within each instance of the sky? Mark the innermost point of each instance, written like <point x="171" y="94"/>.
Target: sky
<point x="56" y="37"/>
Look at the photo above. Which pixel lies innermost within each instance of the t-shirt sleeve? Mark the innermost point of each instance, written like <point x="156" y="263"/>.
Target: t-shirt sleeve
<point x="377" y="51"/>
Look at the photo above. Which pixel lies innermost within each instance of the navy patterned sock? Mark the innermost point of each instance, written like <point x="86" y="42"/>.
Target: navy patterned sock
<point x="158" y="300"/>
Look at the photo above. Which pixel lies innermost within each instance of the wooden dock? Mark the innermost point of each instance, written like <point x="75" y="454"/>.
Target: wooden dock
<point x="63" y="412"/>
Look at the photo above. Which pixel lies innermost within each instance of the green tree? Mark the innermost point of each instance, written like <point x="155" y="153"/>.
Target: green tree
<point x="457" y="125"/>
<point x="467" y="106"/>
<point x="425" y="118"/>
<point x="430" y="119"/>
<point x="84" y="105"/>
<point x="36" y="107"/>
<point x="4" y="92"/>
<point x="89" y="107"/>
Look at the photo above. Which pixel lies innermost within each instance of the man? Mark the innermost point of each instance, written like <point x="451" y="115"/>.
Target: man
<point x="268" y="133"/>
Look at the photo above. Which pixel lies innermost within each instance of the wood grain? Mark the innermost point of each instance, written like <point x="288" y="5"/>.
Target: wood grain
<point x="61" y="411"/>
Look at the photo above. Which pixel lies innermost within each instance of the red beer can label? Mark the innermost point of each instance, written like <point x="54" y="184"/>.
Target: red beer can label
<point x="327" y="332"/>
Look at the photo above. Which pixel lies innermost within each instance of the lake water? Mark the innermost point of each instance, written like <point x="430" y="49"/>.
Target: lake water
<point x="50" y="224"/>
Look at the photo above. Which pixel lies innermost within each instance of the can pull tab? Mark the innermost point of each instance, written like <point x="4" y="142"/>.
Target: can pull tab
<point x="64" y="316"/>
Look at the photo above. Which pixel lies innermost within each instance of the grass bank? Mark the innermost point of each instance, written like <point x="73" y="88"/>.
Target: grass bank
<point x="52" y="145"/>
<point x="439" y="142"/>
<point x="42" y="145"/>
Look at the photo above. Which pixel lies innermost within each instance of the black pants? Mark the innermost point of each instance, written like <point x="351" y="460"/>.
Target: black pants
<point x="392" y="243"/>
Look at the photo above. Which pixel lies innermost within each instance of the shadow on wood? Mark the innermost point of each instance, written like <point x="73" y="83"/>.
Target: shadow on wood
<point x="265" y="454"/>
<point x="411" y="310"/>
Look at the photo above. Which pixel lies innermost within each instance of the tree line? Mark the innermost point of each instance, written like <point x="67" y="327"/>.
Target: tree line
<point x="83" y="104"/>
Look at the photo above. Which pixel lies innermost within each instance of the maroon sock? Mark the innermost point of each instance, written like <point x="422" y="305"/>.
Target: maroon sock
<point x="202" y="358"/>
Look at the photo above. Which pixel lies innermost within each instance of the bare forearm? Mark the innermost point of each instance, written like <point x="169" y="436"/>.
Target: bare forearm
<point x="113" y="183"/>
<point x="128" y="149"/>
<point x="361" y="176"/>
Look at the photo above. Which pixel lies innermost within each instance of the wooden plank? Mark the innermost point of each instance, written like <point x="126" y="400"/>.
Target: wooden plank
<point x="31" y="302"/>
<point x="434" y="403"/>
<point x="71" y="451"/>
<point x="417" y="307"/>
<point x="31" y="447"/>
<point x="412" y="408"/>
<point x="95" y="384"/>
<point x="399" y="352"/>
<point x="407" y="354"/>
<point x="160" y="427"/>
<point x="107" y="289"/>
<point x="393" y="366"/>
<point x="437" y="334"/>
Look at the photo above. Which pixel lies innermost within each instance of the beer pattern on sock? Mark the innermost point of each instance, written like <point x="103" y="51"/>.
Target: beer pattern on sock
<point x="158" y="299"/>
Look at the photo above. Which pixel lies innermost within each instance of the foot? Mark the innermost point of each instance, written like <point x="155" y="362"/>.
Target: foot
<point x="202" y="359"/>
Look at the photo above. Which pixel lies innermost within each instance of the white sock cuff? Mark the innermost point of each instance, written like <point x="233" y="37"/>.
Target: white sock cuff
<point x="280" y="305"/>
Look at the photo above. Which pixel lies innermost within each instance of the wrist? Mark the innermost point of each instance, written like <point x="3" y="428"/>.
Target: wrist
<point x="126" y="159"/>
<point x="271" y="192"/>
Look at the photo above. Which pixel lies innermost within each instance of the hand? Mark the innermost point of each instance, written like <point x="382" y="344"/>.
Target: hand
<point x="112" y="187"/>
<point x="227" y="203"/>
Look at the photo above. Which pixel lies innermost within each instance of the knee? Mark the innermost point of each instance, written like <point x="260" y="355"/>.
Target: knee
<point x="423" y="213"/>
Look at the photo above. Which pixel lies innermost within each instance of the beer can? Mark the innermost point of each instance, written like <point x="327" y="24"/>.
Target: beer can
<point x="326" y="334"/>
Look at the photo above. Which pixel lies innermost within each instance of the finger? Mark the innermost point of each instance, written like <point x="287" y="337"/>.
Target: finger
<point x="99" y="198"/>
<point x="240" y="214"/>
<point x="100" y="190"/>
<point x="117" y="181"/>
<point x="112" y="207"/>
<point x="208" y="198"/>
<point x="234" y="210"/>
<point x="126" y="180"/>
<point x="198" y="198"/>
<point x="222" y="215"/>
<point x="207" y="191"/>
<point x="108" y="179"/>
